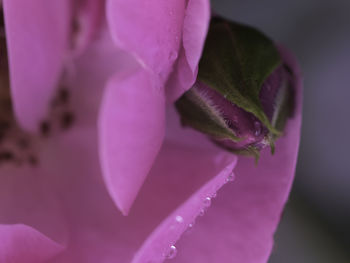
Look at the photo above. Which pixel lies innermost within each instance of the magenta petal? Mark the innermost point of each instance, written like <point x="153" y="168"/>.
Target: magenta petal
<point x="37" y="34"/>
<point x="21" y="243"/>
<point x="151" y="30"/>
<point x="131" y="133"/>
<point x="196" y="22"/>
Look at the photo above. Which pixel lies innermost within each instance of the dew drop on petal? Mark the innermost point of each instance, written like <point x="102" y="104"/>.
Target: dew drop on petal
<point x="207" y="201"/>
<point x="179" y="219"/>
<point x="213" y="195"/>
<point x="172" y="252"/>
<point x="190" y="228"/>
<point x="230" y="178"/>
<point x="202" y="212"/>
<point x="172" y="55"/>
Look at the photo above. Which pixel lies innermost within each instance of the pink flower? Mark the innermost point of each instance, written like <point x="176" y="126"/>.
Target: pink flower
<point x="122" y="76"/>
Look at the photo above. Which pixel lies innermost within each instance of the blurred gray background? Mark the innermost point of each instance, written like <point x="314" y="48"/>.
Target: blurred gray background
<point x="316" y="224"/>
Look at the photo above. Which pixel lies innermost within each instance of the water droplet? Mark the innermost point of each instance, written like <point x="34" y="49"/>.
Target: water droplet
<point x="189" y="228"/>
<point x="207" y="201"/>
<point x="202" y="212"/>
<point x="172" y="252"/>
<point x="172" y="55"/>
<point x="258" y="128"/>
<point x="230" y="178"/>
<point x="225" y="96"/>
<point x="213" y="195"/>
<point x="179" y="219"/>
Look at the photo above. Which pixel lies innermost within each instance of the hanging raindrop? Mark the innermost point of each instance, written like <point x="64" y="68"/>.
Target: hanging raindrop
<point x="230" y="178"/>
<point x="207" y="201"/>
<point x="172" y="252"/>
<point x="179" y="219"/>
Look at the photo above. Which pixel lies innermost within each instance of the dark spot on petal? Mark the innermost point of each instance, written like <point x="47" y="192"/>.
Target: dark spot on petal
<point x="4" y="125"/>
<point x="63" y="95"/>
<point x="67" y="120"/>
<point x="2" y="24"/>
<point x="6" y="156"/>
<point x="2" y="135"/>
<point x="45" y="128"/>
<point x="23" y="143"/>
<point x="288" y="69"/>
<point x="33" y="160"/>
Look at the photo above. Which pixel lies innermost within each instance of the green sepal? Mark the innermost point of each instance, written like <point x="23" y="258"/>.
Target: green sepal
<point x="236" y="61"/>
<point x="198" y="112"/>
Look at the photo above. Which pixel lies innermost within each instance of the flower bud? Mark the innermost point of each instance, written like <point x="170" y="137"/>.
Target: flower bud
<point x="242" y="97"/>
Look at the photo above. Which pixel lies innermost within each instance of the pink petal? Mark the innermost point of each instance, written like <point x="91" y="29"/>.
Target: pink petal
<point x="21" y="243"/>
<point x="151" y="30"/>
<point x="195" y="29"/>
<point x="131" y="133"/>
<point x="37" y="34"/>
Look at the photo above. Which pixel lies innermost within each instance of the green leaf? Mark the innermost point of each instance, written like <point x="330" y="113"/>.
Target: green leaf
<point x="199" y="113"/>
<point x="236" y="61"/>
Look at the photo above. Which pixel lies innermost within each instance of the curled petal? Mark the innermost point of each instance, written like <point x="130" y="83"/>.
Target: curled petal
<point x="20" y="243"/>
<point x="196" y="22"/>
<point x="131" y="132"/>
<point x="37" y="34"/>
<point x="151" y="30"/>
